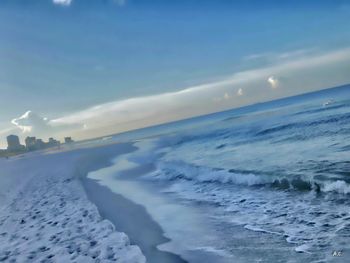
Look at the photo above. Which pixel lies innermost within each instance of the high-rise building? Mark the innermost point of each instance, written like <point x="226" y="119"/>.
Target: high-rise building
<point x="39" y="143"/>
<point x="52" y="143"/>
<point x="13" y="144"/>
<point x="68" y="140"/>
<point x="30" y="143"/>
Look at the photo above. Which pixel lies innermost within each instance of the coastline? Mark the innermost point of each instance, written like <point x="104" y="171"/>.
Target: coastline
<point x="48" y="217"/>
<point x="150" y="218"/>
<point x="127" y="217"/>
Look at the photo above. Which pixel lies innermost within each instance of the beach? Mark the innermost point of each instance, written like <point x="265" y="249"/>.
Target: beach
<point x="46" y="215"/>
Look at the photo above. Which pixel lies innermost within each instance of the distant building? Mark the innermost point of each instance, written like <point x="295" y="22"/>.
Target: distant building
<point x="30" y="143"/>
<point x="33" y="143"/>
<point x="13" y="144"/>
<point x="68" y="140"/>
<point x="52" y="142"/>
<point x="39" y="144"/>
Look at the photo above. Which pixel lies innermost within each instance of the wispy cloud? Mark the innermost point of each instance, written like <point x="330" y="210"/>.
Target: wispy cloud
<point x="295" y="53"/>
<point x="30" y="121"/>
<point x="277" y="57"/>
<point x="69" y="2"/>
<point x="62" y="2"/>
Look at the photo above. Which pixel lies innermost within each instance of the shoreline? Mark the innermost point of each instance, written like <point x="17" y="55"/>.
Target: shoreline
<point x="47" y="216"/>
<point x="126" y="216"/>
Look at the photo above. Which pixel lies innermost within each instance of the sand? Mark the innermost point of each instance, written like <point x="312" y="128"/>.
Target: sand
<point x="45" y="215"/>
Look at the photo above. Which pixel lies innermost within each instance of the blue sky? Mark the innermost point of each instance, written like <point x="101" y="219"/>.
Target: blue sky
<point x="96" y="67"/>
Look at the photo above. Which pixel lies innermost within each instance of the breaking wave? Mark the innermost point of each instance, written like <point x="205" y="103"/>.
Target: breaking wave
<point x="179" y="170"/>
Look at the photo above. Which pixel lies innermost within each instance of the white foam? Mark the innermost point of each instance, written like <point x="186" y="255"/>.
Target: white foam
<point x="338" y="186"/>
<point x="258" y="229"/>
<point x="303" y="248"/>
<point x="294" y="215"/>
<point x="214" y="250"/>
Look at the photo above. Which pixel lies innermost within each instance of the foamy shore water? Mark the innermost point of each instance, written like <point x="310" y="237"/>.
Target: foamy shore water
<point x="45" y="215"/>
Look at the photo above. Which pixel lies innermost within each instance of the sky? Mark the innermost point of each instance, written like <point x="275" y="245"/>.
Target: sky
<point x="90" y="68"/>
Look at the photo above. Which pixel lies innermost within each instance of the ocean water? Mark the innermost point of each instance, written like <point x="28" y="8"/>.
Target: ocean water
<point x="273" y="179"/>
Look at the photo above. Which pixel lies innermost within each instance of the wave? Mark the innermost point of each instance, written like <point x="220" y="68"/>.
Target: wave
<point x="179" y="170"/>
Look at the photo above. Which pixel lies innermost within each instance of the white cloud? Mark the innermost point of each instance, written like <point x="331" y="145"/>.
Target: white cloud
<point x="295" y="53"/>
<point x="240" y="92"/>
<point x="273" y="81"/>
<point x="69" y="2"/>
<point x="280" y="57"/>
<point x="62" y="2"/>
<point x="30" y="121"/>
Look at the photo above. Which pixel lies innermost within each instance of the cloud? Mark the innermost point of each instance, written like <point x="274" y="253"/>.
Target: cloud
<point x="273" y="81"/>
<point x="62" y="2"/>
<point x="295" y="53"/>
<point x="240" y="92"/>
<point x="30" y="122"/>
<point x="69" y="2"/>
<point x="282" y="56"/>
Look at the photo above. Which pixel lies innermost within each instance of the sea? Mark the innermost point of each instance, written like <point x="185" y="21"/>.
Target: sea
<point x="269" y="182"/>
